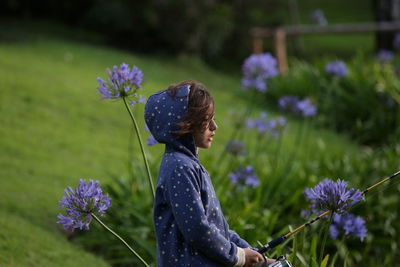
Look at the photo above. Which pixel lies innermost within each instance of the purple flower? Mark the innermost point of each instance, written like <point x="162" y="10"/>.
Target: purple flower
<point x="80" y="203"/>
<point x="121" y="82"/>
<point x="235" y="148"/>
<point x="350" y="224"/>
<point x="288" y="103"/>
<point x="300" y="107"/>
<point x="257" y="69"/>
<point x="274" y="126"/>
<point x="318" y="17"/>
<point x="396" y="41"/>
<point x="142" y="100"/>
<point x="306" y="108"/>
<point x="385" y="55"/>
<point x="333" y="196"/>
<point x="151" y="141"/>
<point x="334" y="230"/>
<point x="244" y="176"/>
<point x="336" y="68"/>
<point x="305" y="213"/>
<point x="259" y="124"/>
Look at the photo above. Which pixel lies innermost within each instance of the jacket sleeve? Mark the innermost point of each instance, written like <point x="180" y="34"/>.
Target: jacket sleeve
<point x="184" y="194"/>
<point x="235" y="238"/>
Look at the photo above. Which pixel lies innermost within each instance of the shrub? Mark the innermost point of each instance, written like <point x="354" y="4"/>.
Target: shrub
<point x="364" y="104"/>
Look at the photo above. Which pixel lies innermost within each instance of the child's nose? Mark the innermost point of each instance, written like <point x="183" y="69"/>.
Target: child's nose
<point x="213" y="126"/>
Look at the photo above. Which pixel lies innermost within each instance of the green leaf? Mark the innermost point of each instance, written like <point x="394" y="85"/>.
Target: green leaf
<point x="313" y="251"/>
<point x="324" y="262"/>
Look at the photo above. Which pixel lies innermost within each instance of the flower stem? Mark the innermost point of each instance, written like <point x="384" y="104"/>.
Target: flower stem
<point x="120" y="238"/>
<point x="141" y="146"/>
<point x="325" y="236"/>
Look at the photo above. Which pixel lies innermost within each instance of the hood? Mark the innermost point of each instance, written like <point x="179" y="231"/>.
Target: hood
<point x="162" y="115"/>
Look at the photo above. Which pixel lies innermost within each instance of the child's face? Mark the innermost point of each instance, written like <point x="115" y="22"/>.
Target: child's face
<point x="203" y="138"/>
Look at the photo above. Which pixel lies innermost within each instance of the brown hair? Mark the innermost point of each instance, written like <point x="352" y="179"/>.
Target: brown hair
<point x="200" y="107"/>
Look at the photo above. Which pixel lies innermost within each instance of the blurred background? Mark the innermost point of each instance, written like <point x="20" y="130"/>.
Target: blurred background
<point x="55" y="129"/>
<point x="216" y="31"/>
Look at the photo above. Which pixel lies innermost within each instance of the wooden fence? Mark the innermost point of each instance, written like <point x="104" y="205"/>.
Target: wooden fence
<point x="279" y="35"/>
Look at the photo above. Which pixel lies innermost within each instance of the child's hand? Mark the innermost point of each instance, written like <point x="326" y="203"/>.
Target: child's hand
<point x="252" y="257"/>
<point x="269" y="261"/>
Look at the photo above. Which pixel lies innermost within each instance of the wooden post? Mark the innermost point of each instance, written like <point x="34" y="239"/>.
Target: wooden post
<point x="280" y="50"/>
<point x="257" y="45"/>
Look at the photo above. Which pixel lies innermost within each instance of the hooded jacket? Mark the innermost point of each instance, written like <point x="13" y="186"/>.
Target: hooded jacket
<point x="190" y="227"/>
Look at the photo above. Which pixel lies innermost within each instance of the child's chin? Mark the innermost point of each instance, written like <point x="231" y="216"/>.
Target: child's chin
<point x="205" y="146"/>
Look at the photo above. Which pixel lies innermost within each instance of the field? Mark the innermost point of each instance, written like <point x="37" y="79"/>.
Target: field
<point x="55" y="130"/>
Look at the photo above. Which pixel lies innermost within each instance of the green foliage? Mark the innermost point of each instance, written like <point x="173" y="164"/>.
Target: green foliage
<point x="325" y="261"/>
<point x="215" y="30"/>
<point x="361" y="104"/>
<point x="204" y="28"/>
<point x="364" y="105"/>
<point x="55" y="130"/>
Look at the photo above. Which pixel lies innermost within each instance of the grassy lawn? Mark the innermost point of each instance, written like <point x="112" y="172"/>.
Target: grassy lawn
<point x="55" y="130"/>
<point x="333" y="45"/>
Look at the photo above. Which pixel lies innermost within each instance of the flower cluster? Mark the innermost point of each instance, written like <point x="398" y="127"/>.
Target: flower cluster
<point x="350" y="224"/>
<point x="333" y="196"/>
<point x="336" y="68"/>
<point x="244" y="176"/>
<point x="122" y="82"/>
<point x="274" y="126"/>
<point x="385" y="55"/>
<point x="235" y="148"/>
<point x="318" y="17"/>
<point x="257" y="69"/>
<point x="79" y="203"/>
<point x="293" y="104"/>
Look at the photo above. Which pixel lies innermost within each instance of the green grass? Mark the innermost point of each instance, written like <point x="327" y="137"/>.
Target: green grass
<point x="55" y="130"/>
<point x="337" y="11"/>
<point x="333" y="45"/>
<point x="24" y="243"/>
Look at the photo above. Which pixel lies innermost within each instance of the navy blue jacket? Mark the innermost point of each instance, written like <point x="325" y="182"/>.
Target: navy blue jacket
<point x="190" y="227"/>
